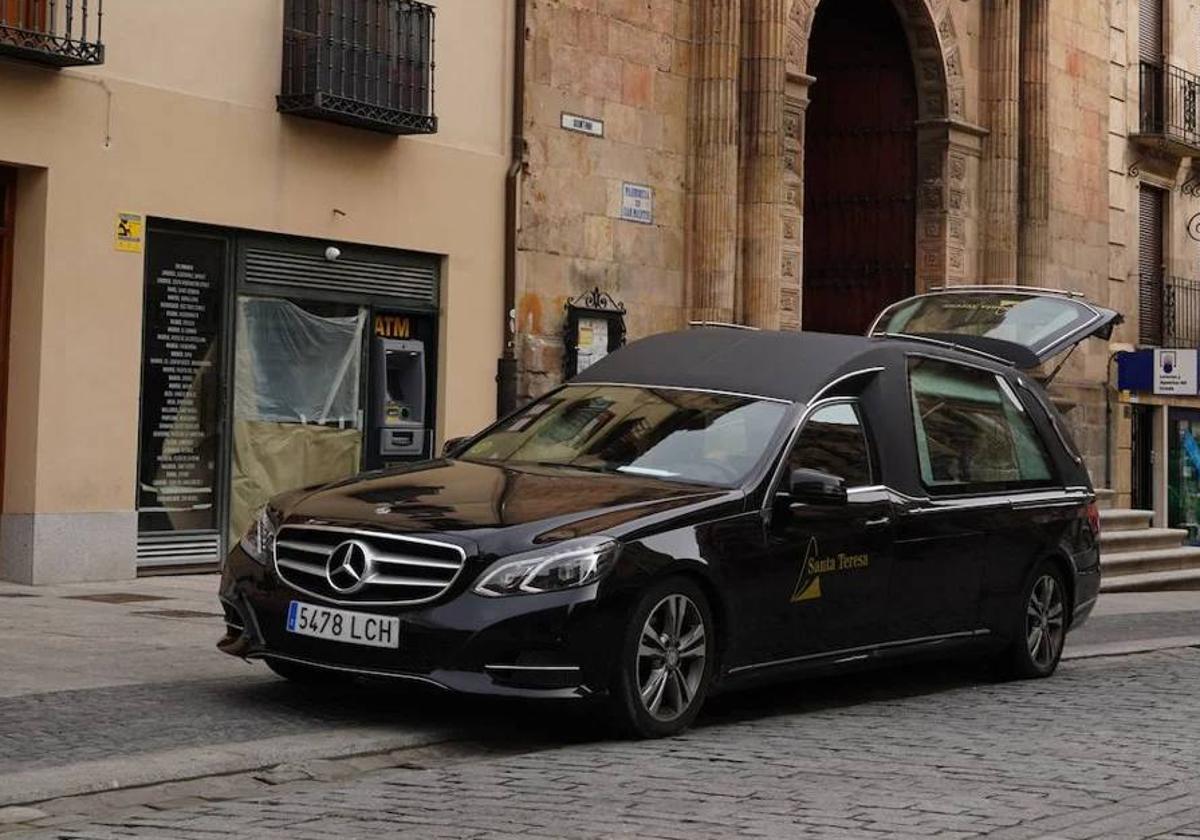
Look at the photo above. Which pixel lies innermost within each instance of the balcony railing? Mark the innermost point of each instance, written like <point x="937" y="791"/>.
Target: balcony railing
<point x="1168" y="100"/>
<point x="1168" y="311"/>
<point x="60" y="33"/>
<point x="366" y="63"/>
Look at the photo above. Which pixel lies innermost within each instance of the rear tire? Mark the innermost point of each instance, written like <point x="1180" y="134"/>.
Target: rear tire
<point x="309" y="675"/>
<point x="1040" y="630"/>
<point x="666" y="662"/>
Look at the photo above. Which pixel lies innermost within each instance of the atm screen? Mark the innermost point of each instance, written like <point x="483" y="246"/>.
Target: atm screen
<point x="402" y="386"/>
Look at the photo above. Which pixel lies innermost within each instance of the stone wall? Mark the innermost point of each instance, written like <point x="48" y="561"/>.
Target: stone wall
<point x="625" y="62"/>
<point x="1018" y="177"/>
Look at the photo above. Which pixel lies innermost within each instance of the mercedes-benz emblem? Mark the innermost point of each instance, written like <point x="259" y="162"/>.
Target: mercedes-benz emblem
<point x="348" y="567"/>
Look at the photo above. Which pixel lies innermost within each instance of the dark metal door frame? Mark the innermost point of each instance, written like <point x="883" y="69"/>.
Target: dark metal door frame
<point x="1142" y="455"/>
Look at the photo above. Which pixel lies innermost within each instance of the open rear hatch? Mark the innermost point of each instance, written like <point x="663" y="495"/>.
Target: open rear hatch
<point x="1021" y="325"/>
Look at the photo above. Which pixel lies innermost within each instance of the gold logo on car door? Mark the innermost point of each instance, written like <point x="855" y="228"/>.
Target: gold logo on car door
<point x="808" y="586"/>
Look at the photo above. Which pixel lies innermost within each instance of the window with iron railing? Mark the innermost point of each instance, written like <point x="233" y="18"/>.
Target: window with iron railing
<point x="1168" y="311"/>
<point x="365" y="63"/>
<point x="1168" y="105"/>
<point x="60" y="33"/>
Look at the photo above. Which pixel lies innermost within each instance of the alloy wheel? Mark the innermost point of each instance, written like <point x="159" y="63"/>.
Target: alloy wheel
<point x="671" y="657"/>
<point x="1044" y="622"/>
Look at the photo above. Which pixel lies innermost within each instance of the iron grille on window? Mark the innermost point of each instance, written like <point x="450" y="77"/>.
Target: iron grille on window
<point x="1168" y="311"/>
<point x="61" y="33"/>
<point x="1181" y="312"/>
<point x="366" y="63"/>
<point x="1169" y="97"/>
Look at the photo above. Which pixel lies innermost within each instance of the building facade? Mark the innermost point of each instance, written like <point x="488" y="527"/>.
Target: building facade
<point x="219" y="280"/>
<point x="1154" y="242"/>
<point x="806" y="162"/>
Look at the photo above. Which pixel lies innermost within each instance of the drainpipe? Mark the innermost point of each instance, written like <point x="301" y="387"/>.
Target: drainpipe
<point x="506" y="368"/>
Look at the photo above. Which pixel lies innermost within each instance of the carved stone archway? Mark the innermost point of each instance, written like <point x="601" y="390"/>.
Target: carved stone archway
<point x="947" y="149"/>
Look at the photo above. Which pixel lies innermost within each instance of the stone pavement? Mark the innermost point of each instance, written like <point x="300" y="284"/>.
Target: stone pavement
<point x="1107" y="749"/>
<point x="129" y="691"/>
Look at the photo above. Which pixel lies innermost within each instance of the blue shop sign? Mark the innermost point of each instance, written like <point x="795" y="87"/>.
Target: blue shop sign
<point x="1158" y="371"/>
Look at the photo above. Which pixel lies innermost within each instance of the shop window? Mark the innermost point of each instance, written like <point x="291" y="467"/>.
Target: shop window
<point x="297" y="419"/>
<point x="972" y="431"/>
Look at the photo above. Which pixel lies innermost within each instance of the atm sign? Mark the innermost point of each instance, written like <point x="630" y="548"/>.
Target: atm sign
<point x="392" y="326"/>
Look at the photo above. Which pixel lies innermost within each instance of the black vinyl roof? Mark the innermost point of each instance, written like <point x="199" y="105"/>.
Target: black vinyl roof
<point x="791" y="366"/>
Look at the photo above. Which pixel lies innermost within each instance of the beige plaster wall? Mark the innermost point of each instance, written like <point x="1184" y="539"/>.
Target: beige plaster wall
<point x="185" y="127"/>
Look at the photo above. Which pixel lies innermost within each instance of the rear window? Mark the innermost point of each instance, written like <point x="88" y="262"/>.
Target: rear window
<point x="973" y="432"/>
<point x="1033" y="321"/>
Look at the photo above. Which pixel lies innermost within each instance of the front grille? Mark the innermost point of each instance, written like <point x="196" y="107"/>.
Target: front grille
<point x="398" y="570"/>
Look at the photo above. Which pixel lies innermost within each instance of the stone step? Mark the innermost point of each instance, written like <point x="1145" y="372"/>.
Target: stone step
<point x="1124" y="519"/>
<point x="1143" y="539"/>
<point x="1104" y="498"/>
<point x="1181" y="579"/>
<point x="1159" y="560"/>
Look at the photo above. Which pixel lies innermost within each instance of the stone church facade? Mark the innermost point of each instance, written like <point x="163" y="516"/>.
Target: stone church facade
<point x="813" y="160"/>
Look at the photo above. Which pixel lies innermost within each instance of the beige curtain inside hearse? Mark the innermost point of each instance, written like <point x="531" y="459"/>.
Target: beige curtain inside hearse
<point x="296" y="416"/>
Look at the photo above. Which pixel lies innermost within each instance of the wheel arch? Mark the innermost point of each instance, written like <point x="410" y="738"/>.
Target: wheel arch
<point x="1061" y="560"/>
<point x="717" y="606"/>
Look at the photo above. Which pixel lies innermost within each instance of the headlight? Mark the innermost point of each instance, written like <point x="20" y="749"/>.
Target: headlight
<point x="259" y="541"/>
<point x="564" y="566"/>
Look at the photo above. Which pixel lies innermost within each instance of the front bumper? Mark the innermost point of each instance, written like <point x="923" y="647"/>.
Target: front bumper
<point x="559" y="645"/>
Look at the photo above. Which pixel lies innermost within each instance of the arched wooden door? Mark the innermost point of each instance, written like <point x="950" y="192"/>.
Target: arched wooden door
<point x="860" y="163"/>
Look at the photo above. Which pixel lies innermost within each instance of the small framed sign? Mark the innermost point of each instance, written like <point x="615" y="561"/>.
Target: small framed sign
<point x="594" y="327"/>
<point x="583" y="125"/>
<point x="637" y="203"/>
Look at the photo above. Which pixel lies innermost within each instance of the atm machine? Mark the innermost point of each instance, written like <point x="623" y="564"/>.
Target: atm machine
<point x="398" y="383"/>
<point x="401" y="420"/>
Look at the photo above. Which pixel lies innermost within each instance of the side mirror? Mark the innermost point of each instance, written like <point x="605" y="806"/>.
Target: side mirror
<point x="450" y="446"/>
<point x="813" y="487"/>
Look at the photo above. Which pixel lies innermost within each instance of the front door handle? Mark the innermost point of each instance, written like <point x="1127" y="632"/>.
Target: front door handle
<point x="877" y="523"/>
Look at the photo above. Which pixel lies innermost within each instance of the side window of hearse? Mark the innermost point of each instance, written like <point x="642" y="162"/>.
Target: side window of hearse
<point x="972" y="429"/>
<point x="833" y="441"/>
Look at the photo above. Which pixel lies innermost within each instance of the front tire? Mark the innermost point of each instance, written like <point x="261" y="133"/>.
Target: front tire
<point x="1041" y="629"/>
<point x="667" y="656"/>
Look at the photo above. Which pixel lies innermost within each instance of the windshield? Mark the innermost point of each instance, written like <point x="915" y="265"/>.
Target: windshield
<point x="1034" y="321"/>
<point x="678" y="435"/>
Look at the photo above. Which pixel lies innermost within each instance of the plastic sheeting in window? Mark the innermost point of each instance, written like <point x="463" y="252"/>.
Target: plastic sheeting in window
<point x="296" y="402"/>
<point x="296" y="367"/>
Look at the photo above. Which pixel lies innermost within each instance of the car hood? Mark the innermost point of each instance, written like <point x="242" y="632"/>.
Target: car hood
<point x="475" y="499"/>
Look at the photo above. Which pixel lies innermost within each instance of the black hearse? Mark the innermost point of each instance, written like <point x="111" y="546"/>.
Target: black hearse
<point x="706" y="508"/>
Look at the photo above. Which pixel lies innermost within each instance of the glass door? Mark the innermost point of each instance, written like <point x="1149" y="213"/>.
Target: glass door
<point x="1183" y="473"/>
<point x="297" y="418"/>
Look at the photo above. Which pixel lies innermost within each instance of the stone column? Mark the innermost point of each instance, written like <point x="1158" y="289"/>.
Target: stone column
<point x="713" y="244"/>
<point x="1034" y="234"/>
<point x="796" y="104"/>
<point x="1001" y="148"/>
<point x="763" y="81"/>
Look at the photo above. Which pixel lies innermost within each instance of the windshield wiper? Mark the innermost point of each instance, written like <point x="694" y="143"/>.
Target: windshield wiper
<point x="570" y="466"/>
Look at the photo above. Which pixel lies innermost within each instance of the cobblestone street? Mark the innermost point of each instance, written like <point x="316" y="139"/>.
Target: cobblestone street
<point x="1108" y="748"/>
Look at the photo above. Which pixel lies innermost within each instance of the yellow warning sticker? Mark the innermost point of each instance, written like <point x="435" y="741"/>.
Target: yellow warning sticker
<point x="130" y="228"/>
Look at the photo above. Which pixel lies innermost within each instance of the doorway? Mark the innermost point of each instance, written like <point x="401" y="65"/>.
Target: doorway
<point x="8" y="213"/>
<point x="1142" y="455"/>
<point x="860" y="166"/>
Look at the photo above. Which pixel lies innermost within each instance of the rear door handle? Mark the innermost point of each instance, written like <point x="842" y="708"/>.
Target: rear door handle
<point x="877" y="523"/>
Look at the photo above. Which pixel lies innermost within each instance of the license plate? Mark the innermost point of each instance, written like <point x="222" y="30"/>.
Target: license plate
<point x="343" y="625"/>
